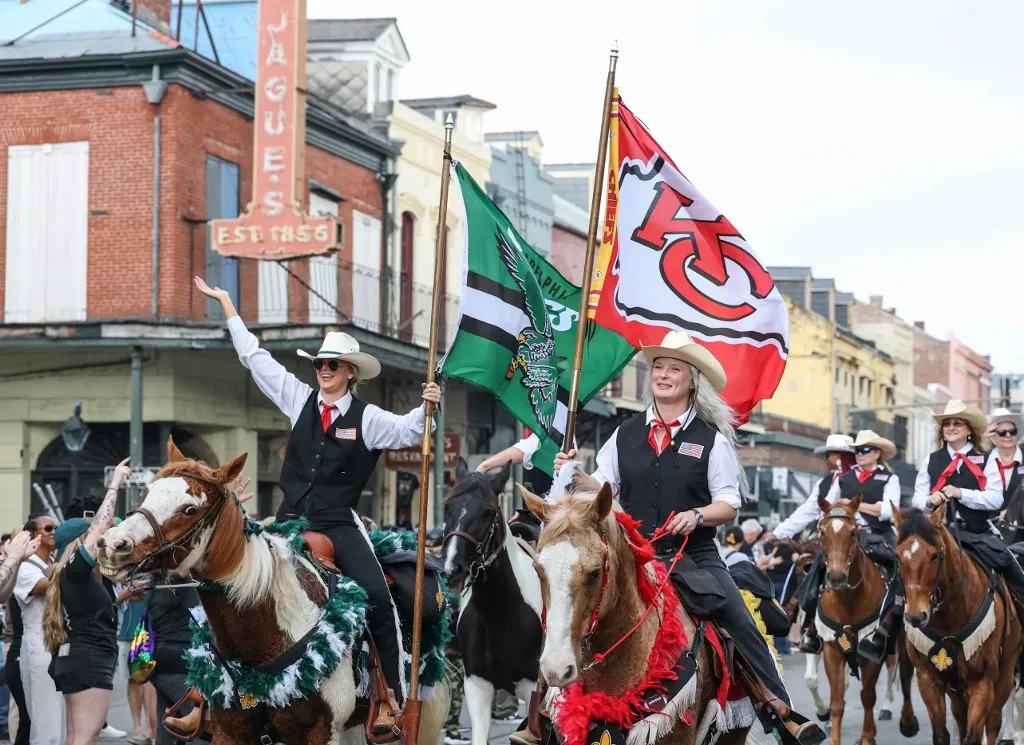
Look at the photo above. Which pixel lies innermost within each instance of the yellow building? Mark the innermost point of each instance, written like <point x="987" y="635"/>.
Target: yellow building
<point x="865" y="385"/>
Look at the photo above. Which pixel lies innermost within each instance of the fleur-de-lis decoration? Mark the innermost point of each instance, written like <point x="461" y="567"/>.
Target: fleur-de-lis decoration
<point x="247" y="701"/>
<point x="440" y="599"/>
<point x="844" y="643"/>
<point x="942" y="661"/>
<point x="606" y="739"/>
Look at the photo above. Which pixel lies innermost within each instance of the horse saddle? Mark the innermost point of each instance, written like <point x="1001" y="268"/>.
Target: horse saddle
<point x="750" y="577"/>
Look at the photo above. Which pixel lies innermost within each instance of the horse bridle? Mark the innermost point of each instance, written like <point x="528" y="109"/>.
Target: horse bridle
<point x="486" y="553"/>
<point x="163" y="554"/>
<point x="838" y="513"/>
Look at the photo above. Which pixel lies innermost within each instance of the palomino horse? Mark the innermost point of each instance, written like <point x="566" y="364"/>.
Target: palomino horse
<point x="498" y="629"/>
<point x="962" y="634"/>
<point x="848" y="612"/>
<point x="591" y="580"/>
<point x="268" y="598"/>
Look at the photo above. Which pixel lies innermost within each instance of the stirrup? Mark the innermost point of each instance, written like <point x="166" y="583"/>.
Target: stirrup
<point x="385" y="719"/>
<point x="190" y="726"/>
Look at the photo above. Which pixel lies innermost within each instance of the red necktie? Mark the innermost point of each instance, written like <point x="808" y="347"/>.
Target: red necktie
<point x="325" y="414"/>
<point x="660" y="434"/>
<point x="863" y="476"/>
<point x="951" y="469"/>
<point x="1003" y="469"/>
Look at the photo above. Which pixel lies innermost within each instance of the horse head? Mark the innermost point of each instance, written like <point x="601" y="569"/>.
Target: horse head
<point x="839" y="530"/>
<point x="173" y="526"/>
<point x="920" y="550"/>
<point x="474" y="526"/>
<point x="577" y="557"/>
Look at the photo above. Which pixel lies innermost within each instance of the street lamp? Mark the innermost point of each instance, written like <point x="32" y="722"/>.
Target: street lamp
<point x="75" y="434"/>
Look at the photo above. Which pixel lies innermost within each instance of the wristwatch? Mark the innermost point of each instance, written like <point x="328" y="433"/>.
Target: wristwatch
<point x="700" y="517"/>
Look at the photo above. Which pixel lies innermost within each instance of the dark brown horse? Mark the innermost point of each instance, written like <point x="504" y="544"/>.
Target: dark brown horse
<point x="946" y="595"/>
<point x="848" y="612"/>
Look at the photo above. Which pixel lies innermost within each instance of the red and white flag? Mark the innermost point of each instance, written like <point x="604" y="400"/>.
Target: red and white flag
<point x="670" y="260"/>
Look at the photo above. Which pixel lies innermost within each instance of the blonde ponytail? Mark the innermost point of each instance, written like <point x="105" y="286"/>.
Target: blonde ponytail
<point x="54" y="633"/>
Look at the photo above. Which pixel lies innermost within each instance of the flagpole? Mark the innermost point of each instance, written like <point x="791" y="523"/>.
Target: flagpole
<point x="412" y="705"/>
<point x="588" y="262"/>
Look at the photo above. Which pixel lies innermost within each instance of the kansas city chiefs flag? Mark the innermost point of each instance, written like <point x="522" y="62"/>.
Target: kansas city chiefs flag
<point x="670" y="260"/>
<point x="517" y="326"/>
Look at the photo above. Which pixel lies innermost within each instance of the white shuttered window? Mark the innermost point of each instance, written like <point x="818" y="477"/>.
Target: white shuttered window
<point x="323" y="270"/>
<point x="47" y="232"/>
<point x="366" y="283"/>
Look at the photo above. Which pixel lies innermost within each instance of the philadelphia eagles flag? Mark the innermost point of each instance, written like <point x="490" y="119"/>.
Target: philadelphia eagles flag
<point x="517" y="326"/>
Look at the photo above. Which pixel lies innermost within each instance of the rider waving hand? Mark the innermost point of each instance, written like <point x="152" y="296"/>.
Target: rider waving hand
<point x="333" y="448"/>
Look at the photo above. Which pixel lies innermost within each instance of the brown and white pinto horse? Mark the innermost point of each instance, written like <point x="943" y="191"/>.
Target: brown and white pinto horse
<point x="851" y="599"/>
<point x="272" y="599"/>
<point x="585" y="563"/>
<point x="945" y="590"/>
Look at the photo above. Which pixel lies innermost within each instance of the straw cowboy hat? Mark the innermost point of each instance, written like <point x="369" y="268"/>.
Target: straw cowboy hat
<point x="1005" y="415"/>
<point x="866" y="438"/>
<point x="835" y="444"/>
<point x="340" y="346"/>
<point x="679" y="346"/>
<point x="957" y="409"/>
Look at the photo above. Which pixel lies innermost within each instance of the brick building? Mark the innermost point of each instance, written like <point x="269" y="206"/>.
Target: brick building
<point x="115" y="149"/>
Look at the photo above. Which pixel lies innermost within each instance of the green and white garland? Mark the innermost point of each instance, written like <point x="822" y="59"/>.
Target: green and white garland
<point x="342" y="624"/>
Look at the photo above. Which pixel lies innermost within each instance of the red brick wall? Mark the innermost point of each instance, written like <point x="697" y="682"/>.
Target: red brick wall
<point x="931" y="359"/>
<point x="118" y="124"/>
<point x="567" y="253"/>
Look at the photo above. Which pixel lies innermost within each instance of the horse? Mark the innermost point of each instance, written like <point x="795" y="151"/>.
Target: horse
<point x="804" y="554"/>
<point x="498" y="628"/>
<point x="602" y="640"/>
<point x="963" y="634"/>
<point x="848" y="612"/>
<point x="260" y="597"/>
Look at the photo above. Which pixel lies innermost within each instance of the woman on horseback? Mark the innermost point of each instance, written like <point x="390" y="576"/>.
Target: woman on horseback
<point x="333" y="448"/>
<point x="838" y="452"/>
<point x="965" y="476"/>
<point x="1004" y="430"/>
<point x="678" y="460"/>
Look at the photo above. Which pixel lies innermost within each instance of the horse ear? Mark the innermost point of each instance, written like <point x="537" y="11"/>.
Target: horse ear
<point x="855" y="503"/>
<point x="461" y="469"/>
<point x="535" y="504"/>
<point x="938" y="515"/>
<point x="173" y="454"/>
<point x="231" y="471"/>
<point x="602" y="504"/>
<point x="498" y="479"/>
<point x="823" y="504"/>
<point x="898" y="517"/>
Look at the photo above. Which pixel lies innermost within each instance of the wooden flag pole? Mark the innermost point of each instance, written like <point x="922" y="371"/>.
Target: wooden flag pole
<point x="411" y="727"/>
<point x="588" y="262"/>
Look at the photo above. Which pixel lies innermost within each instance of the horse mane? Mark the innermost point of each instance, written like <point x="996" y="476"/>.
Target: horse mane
<point x="470" y="483"/>
<point x="916" y="523"/>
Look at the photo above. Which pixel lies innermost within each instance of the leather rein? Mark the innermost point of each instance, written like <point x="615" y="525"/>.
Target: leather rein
<point x="838" y="513"/>
<point x="486" y="551"/>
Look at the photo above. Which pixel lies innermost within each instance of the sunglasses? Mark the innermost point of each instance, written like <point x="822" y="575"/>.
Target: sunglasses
<point x="1007" y="432"/>
<point x="332" y="365"/>
<point x="864" y="450"/>
<point x="48" y="528"/>
<point x="954" y="423"/>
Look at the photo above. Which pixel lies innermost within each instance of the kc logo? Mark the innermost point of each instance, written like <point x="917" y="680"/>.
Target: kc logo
<point x="708" y="244"/>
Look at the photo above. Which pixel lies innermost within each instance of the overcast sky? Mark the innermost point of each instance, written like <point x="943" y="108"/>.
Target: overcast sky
<point x="879" y="143"/>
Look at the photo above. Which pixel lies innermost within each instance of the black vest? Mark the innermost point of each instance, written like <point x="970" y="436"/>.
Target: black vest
<point x="652" y="486"/>
<point x="976" y="521"/>
<point x="1012" y="481"/>
<point x="325" y="472"/>
<point x="871" y="492"/>
<point x="825" y="484"/>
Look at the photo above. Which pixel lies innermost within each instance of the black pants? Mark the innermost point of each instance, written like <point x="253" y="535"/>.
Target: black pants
<point x="354" y="556"/>
<point x="170" y="688"/>
<point x="737" y="621"/>
<point x="12" y="675"/>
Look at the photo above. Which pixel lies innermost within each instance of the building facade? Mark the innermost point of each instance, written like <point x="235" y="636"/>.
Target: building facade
<point x="521" y="187"/>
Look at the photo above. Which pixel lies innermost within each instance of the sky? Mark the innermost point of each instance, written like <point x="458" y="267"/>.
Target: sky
<point x="880" y="143"/>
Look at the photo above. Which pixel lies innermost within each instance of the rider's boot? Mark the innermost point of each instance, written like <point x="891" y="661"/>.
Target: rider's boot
<point x="191" y="725"/>
<point x="874" y="647"/>
<point x="537" y="721"/>
<point x="810" y="642"/>
<point x="389" y="717"/>
<point x="775" y="712"/>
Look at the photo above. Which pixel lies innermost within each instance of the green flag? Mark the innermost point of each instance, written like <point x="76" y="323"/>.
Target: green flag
<point x="517" y="327"/>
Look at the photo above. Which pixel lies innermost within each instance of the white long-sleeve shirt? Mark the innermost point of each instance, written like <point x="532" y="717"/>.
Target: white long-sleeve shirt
<point x="723" y="468"/>
<point x="805" y="514"/>
<point x="990" y="498"/>
<point x="382" y="430"/>
<point x="809" y="510"/>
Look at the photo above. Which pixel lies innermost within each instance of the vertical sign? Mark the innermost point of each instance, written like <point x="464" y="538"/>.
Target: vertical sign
<point x="274" y="224"/>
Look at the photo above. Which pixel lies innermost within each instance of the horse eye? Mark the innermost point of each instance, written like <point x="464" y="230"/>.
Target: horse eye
<point x="191" y="510"/>
<point x="593" y="577"/>
<point x="935" y="557"/>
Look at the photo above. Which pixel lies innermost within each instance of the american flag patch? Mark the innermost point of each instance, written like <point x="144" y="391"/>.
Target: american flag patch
<point x="691" y="449"/>
<point x="979" y="459"/>
<point x="345" y="434"/>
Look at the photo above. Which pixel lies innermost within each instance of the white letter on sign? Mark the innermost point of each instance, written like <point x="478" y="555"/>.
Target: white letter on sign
<point x="268" y="122"/>
<point x="276" y="55"/>
<point x="273" y="203"/>
<point x="276" y="89"/>
<point x="273" y="159"/>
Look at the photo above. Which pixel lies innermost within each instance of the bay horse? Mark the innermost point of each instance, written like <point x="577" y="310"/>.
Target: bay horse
<point x="498" y="628"/>
<point x="268" y="597"/>
<point x="962" y="631"/>
<point x="848" y="612"/>
<point x="591" y="581"/>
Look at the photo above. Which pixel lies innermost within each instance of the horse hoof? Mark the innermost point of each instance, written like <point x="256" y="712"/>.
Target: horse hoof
<point x="1004" y="742"/>
<point x="822" y="717"/>
<point x="885" y="715"/>
<point x="909" y="730"/>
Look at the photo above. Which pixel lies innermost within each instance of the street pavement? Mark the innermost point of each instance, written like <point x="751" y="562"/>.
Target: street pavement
<point x="793" y="673"/>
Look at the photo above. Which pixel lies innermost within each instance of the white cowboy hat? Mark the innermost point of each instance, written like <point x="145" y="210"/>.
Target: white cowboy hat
<point x="679" y="346"/>
<point x="957" y="409"/>
<point x="835" y="444"/>
<point x="867" y="438"/>
<point x="340" y="346"/>
<point x="1005" y="415"/>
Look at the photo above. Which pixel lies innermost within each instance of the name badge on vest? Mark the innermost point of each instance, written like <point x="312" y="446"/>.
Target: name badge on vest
<point x="882" y="477"/>
<point x="691" y="449"/>
<point x="979" y="459"/>
<point x="345" y="434"/>
<point x="1020" y="470"/>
